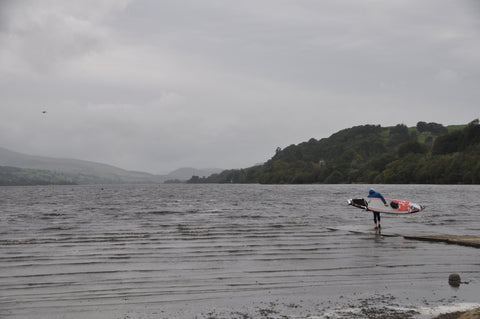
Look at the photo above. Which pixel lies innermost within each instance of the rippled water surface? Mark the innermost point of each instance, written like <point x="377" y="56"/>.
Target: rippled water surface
<point x="199" y="251"/>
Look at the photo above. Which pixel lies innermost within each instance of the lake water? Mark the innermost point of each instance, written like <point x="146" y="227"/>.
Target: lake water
<point x="231" y="251"/>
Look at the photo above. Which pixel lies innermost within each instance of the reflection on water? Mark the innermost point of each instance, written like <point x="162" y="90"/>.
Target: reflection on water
<point x="184" y="250"/>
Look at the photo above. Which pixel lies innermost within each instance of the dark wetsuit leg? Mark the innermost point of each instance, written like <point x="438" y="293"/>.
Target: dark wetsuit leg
<point x="376" y="216"/>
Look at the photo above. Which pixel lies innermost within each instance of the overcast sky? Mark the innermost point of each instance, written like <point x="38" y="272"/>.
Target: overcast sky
<point x="154" y="85"/>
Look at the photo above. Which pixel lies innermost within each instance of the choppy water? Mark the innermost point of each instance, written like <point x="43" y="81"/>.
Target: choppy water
<point x="199" y="251"/>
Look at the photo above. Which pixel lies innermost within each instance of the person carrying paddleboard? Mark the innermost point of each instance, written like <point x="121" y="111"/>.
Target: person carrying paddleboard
<point x="376" y="215"/>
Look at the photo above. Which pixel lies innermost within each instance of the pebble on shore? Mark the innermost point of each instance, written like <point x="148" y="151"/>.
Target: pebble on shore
<point x="454" y="280"/>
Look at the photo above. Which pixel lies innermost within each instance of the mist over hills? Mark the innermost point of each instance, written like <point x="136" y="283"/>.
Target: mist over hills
<point x="23" y="169"/>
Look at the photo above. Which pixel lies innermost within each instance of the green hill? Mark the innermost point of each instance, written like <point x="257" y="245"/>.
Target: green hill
<point x="12" y="176"/>
<point x="428" y="153"/>
<point x="23" y="169"/>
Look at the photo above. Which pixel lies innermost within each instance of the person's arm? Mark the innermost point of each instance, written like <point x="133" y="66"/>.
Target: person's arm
<point x="383" y="199"/>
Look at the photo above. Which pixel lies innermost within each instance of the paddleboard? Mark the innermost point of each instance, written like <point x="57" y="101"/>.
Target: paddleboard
<point x="395" y="206"/>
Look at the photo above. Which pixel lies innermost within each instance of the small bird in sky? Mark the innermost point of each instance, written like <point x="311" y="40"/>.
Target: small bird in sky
<point x="44" y="112"/>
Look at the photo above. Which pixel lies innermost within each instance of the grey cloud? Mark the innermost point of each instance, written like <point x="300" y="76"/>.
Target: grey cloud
<point x="43" y="34"/>
<point x="153" y="85"/>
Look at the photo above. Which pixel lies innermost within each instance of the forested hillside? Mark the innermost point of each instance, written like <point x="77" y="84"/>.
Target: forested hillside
<point x="15" y="176"/>
<point x="12" y="176"/>
<point x="23" y="169"/>
<point x="426" y="154"/>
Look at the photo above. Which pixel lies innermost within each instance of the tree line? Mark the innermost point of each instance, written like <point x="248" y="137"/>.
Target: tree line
<point x="429" y="153"/>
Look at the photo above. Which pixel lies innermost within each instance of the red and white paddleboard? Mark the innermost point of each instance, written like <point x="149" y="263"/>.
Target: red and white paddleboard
<point x="395" y="206"/>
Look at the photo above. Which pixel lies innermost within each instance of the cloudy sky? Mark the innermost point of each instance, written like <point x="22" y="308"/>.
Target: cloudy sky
<point x="154" y="85"/>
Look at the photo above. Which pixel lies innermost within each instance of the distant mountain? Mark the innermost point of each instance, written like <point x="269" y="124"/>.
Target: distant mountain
<point x="23" y="169"/>
<point x="75" y="171"/>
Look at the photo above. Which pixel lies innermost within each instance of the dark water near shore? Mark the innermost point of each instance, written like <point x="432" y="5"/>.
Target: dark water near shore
<point x="230" y="251"/>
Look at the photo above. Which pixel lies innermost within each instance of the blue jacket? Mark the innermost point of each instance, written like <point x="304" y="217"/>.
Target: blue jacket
<point x="375" y="194"/>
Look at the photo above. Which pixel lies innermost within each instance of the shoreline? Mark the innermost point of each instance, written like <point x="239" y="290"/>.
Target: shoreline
<point x="471" y="314"/>
<point x="470" y="241"/>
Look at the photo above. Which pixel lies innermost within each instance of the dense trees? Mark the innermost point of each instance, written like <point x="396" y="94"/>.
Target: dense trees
<point x="458" y="141"/>
<point x="426" y="153"/>
<point x="431" y="128"/>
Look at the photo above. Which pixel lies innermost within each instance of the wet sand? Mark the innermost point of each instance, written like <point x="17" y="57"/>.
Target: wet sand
<point x="374" y="307"/>
<point x="471" y="241"/>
